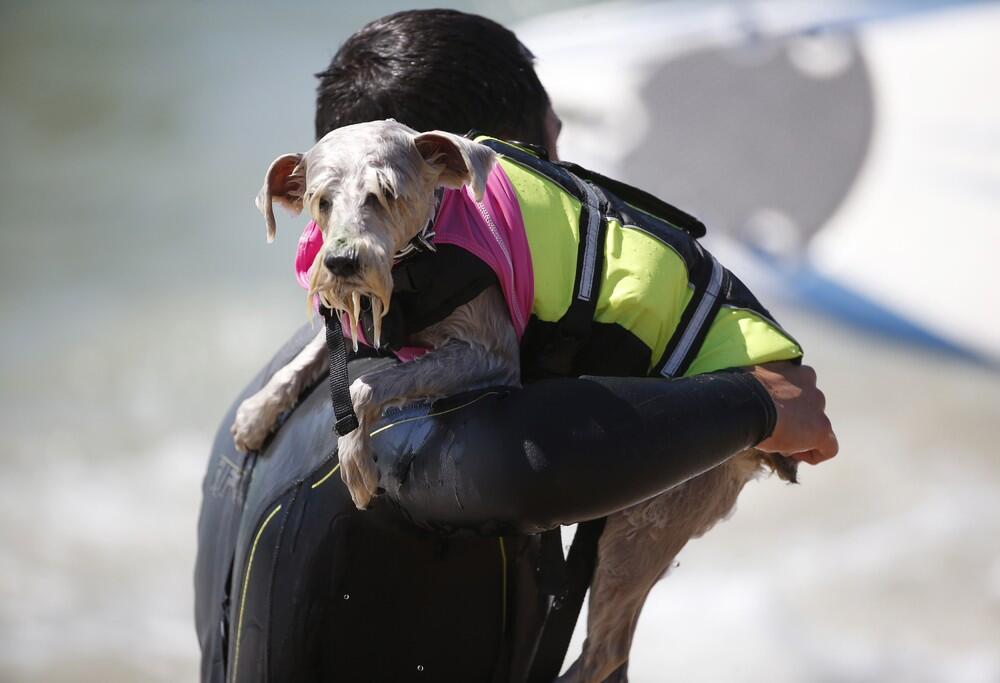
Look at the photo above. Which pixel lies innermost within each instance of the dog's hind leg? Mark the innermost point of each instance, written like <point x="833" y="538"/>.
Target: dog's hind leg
<point x="258" y="415"/>
<point x="636" y="549"/>
<point x="624" y="574"/>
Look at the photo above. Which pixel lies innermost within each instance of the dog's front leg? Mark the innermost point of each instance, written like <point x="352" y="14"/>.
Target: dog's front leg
<point x="455" y="365"/>
<point x="258" y="415"/>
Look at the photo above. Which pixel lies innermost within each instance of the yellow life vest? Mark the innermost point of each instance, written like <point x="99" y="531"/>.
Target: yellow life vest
<point x="622" y="286"/>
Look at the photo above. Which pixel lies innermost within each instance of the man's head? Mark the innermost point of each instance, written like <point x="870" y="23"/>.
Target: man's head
<point x="437" y="70"/>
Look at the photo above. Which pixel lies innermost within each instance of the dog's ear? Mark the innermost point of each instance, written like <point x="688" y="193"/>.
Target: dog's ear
<point x="286" y="182"/>
<point x="462" y="161"/>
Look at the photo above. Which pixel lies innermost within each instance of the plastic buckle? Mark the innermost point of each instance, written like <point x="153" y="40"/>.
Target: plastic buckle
<point x="346" y="425"/>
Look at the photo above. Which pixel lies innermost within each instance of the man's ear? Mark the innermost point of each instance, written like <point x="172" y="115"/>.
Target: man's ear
<point x="463" y="162"/>
<point x="286" y="182"/>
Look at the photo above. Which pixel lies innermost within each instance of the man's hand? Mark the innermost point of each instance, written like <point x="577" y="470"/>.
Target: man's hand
<point x="802" y="430"/>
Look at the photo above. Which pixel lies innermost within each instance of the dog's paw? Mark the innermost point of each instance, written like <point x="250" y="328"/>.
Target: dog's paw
<point x="252" y="425"/>
<point x="357" y="466"/>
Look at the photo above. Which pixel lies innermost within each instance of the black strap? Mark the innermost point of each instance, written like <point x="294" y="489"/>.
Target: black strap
<point x="427" y="288"/>
<point x="565" y="609"/>
<point x="340" y="394"/>
<point x="641" y="199"/>
<point x="697" y="318"/>
<point x="559" y="355"/>
<point x="593" y="228"/>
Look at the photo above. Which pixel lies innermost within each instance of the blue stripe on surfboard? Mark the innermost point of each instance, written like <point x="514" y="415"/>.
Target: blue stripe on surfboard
<point x="808" y="285"/>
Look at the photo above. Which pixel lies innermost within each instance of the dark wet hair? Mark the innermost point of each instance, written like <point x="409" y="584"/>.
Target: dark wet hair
<point x="434" y="69"/>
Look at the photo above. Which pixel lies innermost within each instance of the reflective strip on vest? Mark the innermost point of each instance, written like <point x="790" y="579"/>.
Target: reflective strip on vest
<point x="585" y="292"/>
<point x="698" y="321"/>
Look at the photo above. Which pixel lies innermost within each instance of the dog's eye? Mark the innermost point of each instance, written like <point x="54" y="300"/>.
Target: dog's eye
<point x="371" y="201"/>
<point x="324" y="205"/>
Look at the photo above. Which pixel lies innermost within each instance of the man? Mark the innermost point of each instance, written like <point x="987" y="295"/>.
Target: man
<point x="292" y="582"/>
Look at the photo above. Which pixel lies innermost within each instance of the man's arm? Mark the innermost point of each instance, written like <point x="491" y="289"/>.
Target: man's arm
<point x="562" y="451"/>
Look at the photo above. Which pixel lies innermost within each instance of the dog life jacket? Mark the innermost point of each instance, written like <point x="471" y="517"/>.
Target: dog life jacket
<point x="620" y="285"/>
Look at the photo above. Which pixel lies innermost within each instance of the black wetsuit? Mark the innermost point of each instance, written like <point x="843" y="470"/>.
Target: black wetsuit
<point x="439" y="580"/>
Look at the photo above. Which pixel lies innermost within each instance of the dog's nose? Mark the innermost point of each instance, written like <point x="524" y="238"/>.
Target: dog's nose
<point x="341" y="266"/>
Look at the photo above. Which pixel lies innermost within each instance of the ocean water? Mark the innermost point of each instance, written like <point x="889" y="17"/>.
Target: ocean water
<point x="137" y="295"/>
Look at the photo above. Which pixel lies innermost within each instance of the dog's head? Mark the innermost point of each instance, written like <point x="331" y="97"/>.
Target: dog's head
<point x="370" y="188"/>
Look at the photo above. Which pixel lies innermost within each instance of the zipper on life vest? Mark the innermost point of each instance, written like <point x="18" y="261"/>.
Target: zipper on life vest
<point x="496" y="236"/>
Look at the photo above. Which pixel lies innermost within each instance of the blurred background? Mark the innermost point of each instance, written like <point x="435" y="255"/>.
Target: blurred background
<point x="845" y="156"/>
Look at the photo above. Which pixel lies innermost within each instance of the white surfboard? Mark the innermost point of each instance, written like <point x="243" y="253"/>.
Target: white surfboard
<point x="846" y="156"/>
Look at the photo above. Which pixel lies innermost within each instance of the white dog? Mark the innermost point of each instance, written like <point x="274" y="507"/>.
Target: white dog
<point x="370" y="187"/>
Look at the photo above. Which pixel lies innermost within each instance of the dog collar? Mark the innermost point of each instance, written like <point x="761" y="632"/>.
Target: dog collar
<point x="422" y="242"/>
